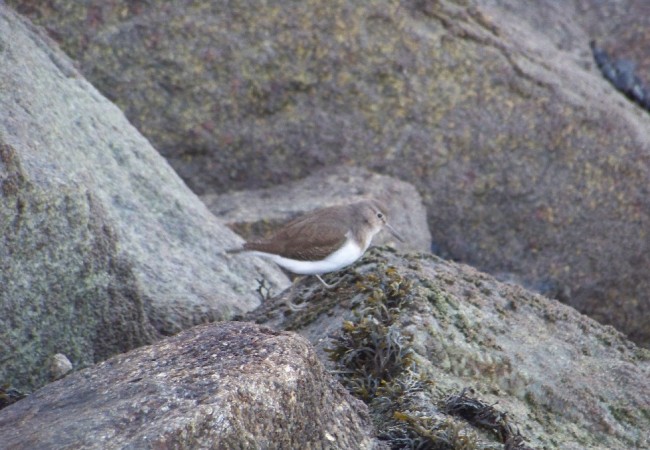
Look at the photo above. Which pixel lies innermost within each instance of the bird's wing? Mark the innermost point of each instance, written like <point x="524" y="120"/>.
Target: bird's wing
<point x="289" y="241"/>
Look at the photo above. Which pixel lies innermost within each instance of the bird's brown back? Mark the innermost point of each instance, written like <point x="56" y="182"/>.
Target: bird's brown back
<point x="308" y="238"/>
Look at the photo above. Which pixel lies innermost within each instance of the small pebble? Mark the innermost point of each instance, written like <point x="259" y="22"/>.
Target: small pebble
<point x="59" y="366"/>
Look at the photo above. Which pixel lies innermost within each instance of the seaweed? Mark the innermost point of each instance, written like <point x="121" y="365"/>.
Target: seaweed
<point x="375" y="361"/>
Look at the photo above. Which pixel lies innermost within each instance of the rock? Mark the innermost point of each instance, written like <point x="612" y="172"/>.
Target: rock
<point x="253" y="213"/>
<point x="221" y="386"/>
<point x="621" y="73"/>
<point x="9" y="395"/>
<point x="103" y="247"/>
<point x="440" y="351"/>
<point x="623" y="27"/>
<point x="59" y="366"/>
<point x="528" y="161"/>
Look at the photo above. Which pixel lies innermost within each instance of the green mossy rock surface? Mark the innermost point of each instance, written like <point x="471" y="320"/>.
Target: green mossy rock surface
<point x="423" y="341"/>
<point x="103" y="248"/>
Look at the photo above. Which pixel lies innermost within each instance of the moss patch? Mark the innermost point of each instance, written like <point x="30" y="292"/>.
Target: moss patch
<point x="9" y="395"/>
<point x="375" y="361"/>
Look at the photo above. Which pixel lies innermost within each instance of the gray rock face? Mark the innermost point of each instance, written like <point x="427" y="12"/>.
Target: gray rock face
<point x="621" y="27"/>
<point x="59" y="366"/>
<point x="409" y="335"/>
<point x="528" y="161"/>
<point x="218" y="386"/>
<point x="412" y="332"/>
<point x="251" y="213"/>
<point x="103" y="247"/>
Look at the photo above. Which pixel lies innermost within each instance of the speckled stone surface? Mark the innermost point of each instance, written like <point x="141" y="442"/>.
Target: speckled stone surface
<point x="103" y="247"/>
<point x="564" y="380"/>
<point x="218" y="386"/>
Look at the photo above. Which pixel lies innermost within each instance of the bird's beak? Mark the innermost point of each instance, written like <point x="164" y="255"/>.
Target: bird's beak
<point x="393" y="232"/>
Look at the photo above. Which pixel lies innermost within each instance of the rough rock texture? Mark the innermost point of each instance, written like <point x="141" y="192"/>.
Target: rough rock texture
<point x="103" y="247"/>
<point x="422" y="341"/>
<point x="58" y="366"/>
<point x="411" y="332"/>
<point x="627" y="37"/>
<point x="253" y="213"/>
<point x="530" y="164"/>
<point x="218" y="386"/>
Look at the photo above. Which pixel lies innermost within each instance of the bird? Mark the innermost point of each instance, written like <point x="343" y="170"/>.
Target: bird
<point x="325" y="240"/>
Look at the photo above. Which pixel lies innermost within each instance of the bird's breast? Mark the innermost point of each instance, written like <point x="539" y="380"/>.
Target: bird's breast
<point x="344" y="256"/>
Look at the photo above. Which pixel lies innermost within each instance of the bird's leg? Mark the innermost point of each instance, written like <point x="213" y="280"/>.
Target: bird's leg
<point x="328" y="286"/>
<point x="292" y="306"/>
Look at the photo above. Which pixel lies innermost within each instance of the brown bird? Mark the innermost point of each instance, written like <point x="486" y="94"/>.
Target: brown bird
<point x="325" y="240"/>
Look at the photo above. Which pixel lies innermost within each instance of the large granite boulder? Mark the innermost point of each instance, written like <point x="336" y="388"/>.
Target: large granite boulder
<point x="446" y="355"/>
<point x="218" y="386"/>
<point x="443" y="356"/>
<point x="103" y="246"/>
<point x="530" y="164"/>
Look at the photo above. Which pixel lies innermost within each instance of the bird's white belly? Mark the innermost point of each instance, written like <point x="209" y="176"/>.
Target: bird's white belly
<point x="341" y="258"/>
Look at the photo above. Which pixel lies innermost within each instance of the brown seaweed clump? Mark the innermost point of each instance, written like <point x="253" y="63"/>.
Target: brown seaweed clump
<point x="375" y="361"/>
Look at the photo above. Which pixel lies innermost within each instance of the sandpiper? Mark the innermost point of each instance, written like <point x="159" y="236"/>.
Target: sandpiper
<point x="325" y="240"/>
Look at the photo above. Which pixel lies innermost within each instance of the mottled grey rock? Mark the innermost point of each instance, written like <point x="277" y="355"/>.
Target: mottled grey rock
<point x="217" y="386"/>
<point x="59" y="366"/>
<point x="250" y="213"/>
<point x="528" y="161"/>
<point x="416" y="330"/>
<point x="103" y="246"/>
<point x="622" y="27"/>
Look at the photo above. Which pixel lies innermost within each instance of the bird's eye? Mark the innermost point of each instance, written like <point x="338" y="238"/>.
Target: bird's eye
<point x="380" y="215"/>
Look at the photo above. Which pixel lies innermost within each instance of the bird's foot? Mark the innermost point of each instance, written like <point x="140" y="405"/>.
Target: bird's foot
<point x="297" y="307"/>
<point x="290" y="293"/>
